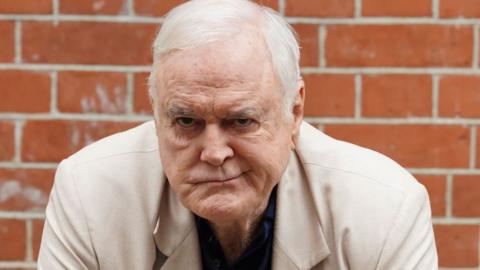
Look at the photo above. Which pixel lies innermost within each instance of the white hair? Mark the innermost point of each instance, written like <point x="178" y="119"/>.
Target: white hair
<point x="199" y="22"/>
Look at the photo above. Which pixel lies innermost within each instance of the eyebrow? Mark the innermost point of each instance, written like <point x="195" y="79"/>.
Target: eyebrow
<point x="176" y="110"/>
<point x="247" y="112"/>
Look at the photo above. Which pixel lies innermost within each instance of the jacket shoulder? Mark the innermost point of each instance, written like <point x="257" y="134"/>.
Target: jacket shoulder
<point x="141" y="138"/>
<point x="360" y="195"/>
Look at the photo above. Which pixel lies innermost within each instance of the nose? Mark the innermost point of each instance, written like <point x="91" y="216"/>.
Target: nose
<point x="215" y="146"/>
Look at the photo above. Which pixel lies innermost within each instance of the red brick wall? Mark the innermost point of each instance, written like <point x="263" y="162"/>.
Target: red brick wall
<point x="398" y="76"/>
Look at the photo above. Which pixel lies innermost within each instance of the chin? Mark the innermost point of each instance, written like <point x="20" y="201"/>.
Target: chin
<point x="218" y="208"/>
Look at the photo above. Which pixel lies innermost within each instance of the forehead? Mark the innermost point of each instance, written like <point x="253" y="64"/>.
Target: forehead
<point x="232" y="67"/>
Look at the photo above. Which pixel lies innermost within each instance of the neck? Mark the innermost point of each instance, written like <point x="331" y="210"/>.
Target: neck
<point x="236" y="236"/>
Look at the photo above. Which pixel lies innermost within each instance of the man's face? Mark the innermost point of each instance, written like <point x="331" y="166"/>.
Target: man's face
<point x="223" y="135"/>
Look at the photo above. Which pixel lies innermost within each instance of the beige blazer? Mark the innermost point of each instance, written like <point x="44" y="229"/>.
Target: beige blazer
<point x="339" y="206"/>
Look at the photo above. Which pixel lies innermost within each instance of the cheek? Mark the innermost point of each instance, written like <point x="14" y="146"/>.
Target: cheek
<point x="176" y="161"/>
<point x="267" y="160"/>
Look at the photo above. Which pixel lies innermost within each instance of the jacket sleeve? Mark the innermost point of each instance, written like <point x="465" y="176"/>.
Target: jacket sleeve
<point x="66" y="240"/>
<point x="410" y="243"/>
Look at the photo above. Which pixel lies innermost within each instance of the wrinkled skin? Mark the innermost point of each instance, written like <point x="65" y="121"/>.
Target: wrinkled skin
<point x="223" y="134"/>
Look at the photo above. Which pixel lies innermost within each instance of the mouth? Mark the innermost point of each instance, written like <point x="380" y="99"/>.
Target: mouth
<point x="225" y="180"/>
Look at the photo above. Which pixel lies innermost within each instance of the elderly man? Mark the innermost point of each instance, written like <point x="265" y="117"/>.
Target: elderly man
<point x="228" y="176"/>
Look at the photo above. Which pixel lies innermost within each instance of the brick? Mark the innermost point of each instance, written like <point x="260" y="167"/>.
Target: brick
<point x="459" y="96"/>
<point x="26" y="6"/>
<point x="37" y="230"/>
<point x="396" y="95"/>
<point x="410" y="46"/>
<point x="155" y="8"/>
<point x="436" y="186"/>
<point x="397" y="8"/>
<point x="457" y="245"/>
<point x="466" y="196"/>
<point x="92" y="92"/>
<point x="308" y="36"/>
<point x="92" y="43"/>
<point x="141" y="100"/>
<point x="25" y="189"/>
<point x="13" y="239"/>
<point x="414" y="146"/>
<point x="329" y="95"/>
<point x="109" y="7"/>
<point x="7" y="141"/>
<point x="7" y="42"/>
<point x="320" y="8"/>
<point x="24" y="91"/>
<point x="459" y="8"/>
<point x="51" y="141"/>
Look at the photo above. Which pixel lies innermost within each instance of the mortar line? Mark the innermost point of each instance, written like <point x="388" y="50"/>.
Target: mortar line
<point x="466" y="221"/>
<point x="130" y="98"/>
<point x="435" y="9"/>
<point x="473" y="147"/>
<point x="281" y="7"/>
<point x="130" y="8"/>
<point x="54" y="92"/>
<point x="56" y="12"/>
<point x="21" y="215"/>
<point x="476" y="46"/>
<point x="435" y="95"/>
<point x="18" y="42"/>
<point x="28" y="165"/>
<point x="390" y="70"/>
<point x="77" y="116"/>
<point x="358" y="96"/>
<point x="449" y="196"/>
<point x="305" y="70"/>
<point x="28" y="239"/>
<point x="70" y="67"/>
<point x="322" y="35"/>
<point x="293" y="20"/>
<point x="85" y="18"/>
<point x="18" y="141"/>
<point x="358" y="9"/>
<point x="19" y="264"/>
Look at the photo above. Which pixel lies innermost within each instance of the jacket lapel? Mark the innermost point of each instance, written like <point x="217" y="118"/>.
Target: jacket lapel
<point x="175" y="235"/>
<point x="299" y="241"/>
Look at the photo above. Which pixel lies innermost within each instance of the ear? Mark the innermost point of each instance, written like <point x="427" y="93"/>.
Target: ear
<point x="297" y="111"/>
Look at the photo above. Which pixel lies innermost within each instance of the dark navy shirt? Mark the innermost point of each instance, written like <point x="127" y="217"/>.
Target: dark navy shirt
<point x="257" y="256"/>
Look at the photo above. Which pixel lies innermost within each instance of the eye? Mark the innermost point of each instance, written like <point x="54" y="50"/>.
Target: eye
<point x="242" y="122"/>
<point x="185" y="122"/>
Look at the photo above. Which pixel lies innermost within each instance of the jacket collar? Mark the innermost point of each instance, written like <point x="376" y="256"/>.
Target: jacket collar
<point x="299" y="241"/>
<point x="175" y="234"/>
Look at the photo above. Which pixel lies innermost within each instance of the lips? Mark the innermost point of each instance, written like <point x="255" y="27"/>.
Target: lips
<point x="215" y="179"/>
